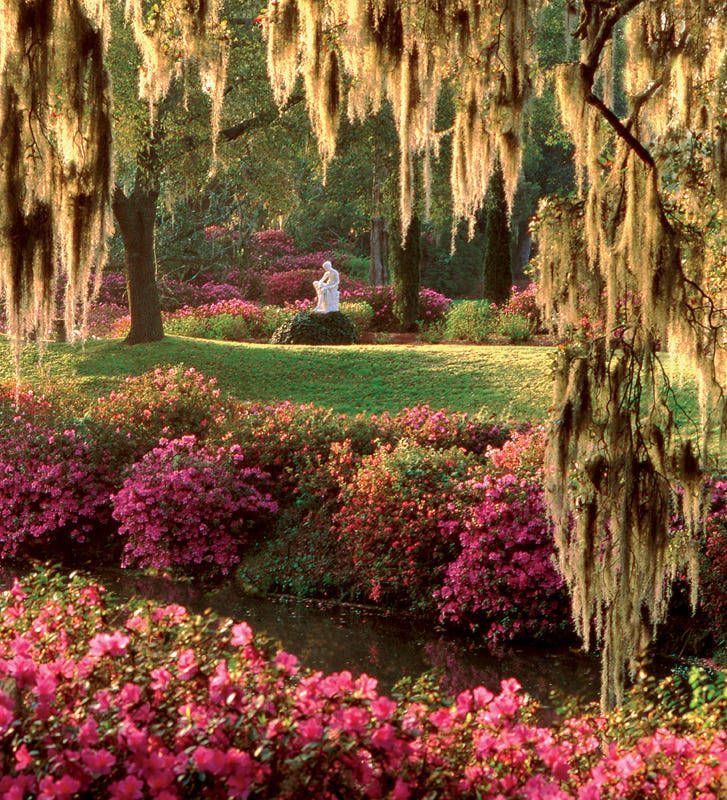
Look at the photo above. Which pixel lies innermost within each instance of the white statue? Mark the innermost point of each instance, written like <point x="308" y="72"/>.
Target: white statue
<point x="327" y="290"/>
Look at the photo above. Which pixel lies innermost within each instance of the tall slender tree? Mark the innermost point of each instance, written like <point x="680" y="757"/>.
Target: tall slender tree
<point x="496" y="272"/>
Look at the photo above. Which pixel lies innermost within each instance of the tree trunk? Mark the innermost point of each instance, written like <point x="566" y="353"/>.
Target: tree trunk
<point x="377" y="248"/>
<point x="136" y="217"/>
<point x="377" y="275"/>
<point x="405" y="265"/>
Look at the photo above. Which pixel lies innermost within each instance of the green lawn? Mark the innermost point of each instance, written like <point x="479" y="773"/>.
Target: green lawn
<point x="502" y="381"/>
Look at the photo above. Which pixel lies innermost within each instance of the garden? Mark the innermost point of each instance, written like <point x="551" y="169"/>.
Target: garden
<point x="363" y="400"/>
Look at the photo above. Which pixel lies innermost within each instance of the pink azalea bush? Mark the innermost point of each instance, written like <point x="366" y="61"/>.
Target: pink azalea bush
<point x="291" y="440"/>
<point x="51" y="488"/>
<point x="113" y="289"/>
<point x="442" y="429"/>
<point x="236" y="320"/>
<point x="185" y="504"/>
<point x="166" y="402"/>
<point x="714" y="568"/>
<point x="504" y="581"/>
<point x="267" y="246"/>
<point x="523" y="303"/>
<point x="296" y="284"/>
<point x="101" y="701"/>
<point x="175" y="294"/>
<point x="398" y="518"/>
<point x="432" y="305"/>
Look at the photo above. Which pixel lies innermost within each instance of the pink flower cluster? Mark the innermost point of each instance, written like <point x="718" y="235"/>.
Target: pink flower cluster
<point x="266" y="246"/>
<point x="233" y="307"/>
<point x="441" y="429"/>
<point x="504" y="580"/>
<point x="397" y="518"/>
<point x="296" y="283"/>
<point x="524" y="302"/>
<point x="167" y="403"/>
<point x="185" y="504"/>
<point x="432" y="305"/>
<point x="164" y="705"/>
<point x="49" y="485"/>
<point x="176" y="294"/>
<point x="214" y="232"/>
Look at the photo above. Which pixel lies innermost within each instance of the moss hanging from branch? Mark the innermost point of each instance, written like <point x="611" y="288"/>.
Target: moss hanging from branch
<point x="402" y="51"/>
<point x="617" y="466"/>
<point x="55" y="139"/>
<point x="170" y="35"/>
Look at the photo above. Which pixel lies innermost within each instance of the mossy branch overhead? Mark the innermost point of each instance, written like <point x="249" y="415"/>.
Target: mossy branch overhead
<point x="355" y="55"/>
<point x="56" y="157"/>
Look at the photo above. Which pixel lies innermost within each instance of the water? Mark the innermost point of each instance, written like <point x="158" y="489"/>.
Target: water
<point x="332" y="637"/>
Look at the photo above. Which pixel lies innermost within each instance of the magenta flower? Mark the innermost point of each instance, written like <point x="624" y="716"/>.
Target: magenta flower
<point x="111" y="644"/>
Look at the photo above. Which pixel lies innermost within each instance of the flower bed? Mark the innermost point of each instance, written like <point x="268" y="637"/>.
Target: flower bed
<point x="426" y="509"/>
<point x="101" y="701"/>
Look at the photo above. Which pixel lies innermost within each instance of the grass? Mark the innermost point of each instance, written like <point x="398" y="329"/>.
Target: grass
<point x="499" y="381"/>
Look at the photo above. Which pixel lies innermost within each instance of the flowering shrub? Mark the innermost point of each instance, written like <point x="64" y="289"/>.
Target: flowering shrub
<point x="169" y="402"/>
<point x="50" y="486"/>
<point x="175" y="294"/>
<point x="521" y="454"/>
<point x="504" y="581"/>
<point x="113" y="289"/>
<point x="714" y="568"/>
<point x="398" y="520"/>
<point x="234" y="320"/>
<point x="108" y="320"/>
<point x="158" y="703"/>
<point x="442" y="429"/>
<point x="523" y="302"/>
<point x="30" y="407"/>
<point x="432" y="305"/>
<point x="293" y="285"/>
<point x="185" y="504"/>
<point x="285" y="439"/>
<point x="266" y="246"/>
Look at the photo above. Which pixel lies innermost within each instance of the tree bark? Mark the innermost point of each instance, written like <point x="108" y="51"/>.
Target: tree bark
<point x="405" y="263"/>
<point x="136" y="218"/>
<point x="377" y="275"/>
<point x="377" y="242"/>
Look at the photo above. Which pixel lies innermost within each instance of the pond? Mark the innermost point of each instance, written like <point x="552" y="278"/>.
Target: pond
<point x="334" y="637"/>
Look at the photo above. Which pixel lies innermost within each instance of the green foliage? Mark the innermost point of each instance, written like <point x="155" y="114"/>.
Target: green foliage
<point x="311" y="328"/>
<point x="469" y="321"/>
<point x="516" y="327"/>
<point x="356" y="267"/>
<point x="360" y="313"/>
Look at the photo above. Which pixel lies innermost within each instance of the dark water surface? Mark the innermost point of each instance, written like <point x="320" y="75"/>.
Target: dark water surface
<point x="333" y="637"/>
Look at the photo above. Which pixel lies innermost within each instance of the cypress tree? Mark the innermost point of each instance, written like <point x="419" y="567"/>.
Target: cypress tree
<point x="497" y="272"/>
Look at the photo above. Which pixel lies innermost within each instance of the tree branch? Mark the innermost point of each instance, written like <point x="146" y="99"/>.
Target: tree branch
<point x="259" y="120"/>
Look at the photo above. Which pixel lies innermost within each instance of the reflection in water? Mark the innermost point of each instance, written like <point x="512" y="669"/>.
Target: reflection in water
<point x="335" y="638"/>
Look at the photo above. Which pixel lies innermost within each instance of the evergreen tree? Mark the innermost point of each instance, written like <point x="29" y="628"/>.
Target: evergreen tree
<point x="497" y="272"/>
